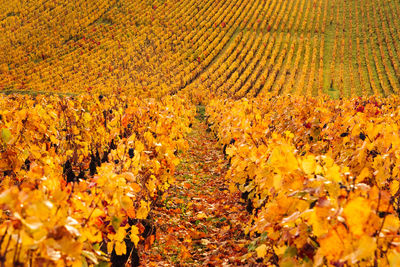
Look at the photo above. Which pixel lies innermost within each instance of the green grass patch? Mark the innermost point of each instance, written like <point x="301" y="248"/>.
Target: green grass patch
<point x="201" y="112"/>
<point x="333" y="93"/>
<point x="328" y="51"/>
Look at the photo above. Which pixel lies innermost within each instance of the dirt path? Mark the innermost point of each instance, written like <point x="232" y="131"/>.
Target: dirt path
<point x="200" y="222"/>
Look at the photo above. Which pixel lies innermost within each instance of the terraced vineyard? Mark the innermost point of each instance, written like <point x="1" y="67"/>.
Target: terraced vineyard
<point x="307" y="47"/>
<point x="234" y="48"/>
<point x="199" y="133"/>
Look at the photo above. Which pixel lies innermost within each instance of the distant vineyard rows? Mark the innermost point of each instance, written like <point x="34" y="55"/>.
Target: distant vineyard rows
<point x="235" y="48"/>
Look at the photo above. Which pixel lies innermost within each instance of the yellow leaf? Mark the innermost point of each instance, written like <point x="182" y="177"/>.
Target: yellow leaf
<point x="176" y="161"/>
<point x="357" y="212"/>
<point x="151" y="186"/>
<point x="5" y="135"/>
<point x="135" y="230"/>
<point x="280" y="250"/>
<point x="391" y="223"/>
<point x="394" y="258"/>
<point x="143" y="210"/>
<point x="394" y="187"/>
<point x="309" y="165"/>
<point x="26" y="239"/>
<point x="87" y="117"/>
<point x="110" y="246"/>
<point x="136" y="187"/>
<point x="120" y="248"/>
<point x="277" y="181"/>
<point x="363" y="174"/>
<point x="134" y="235"/>
<point x="139" y="147"/>
<point x="70" y="247"/>
<point x="131" y="212"/>
<point x="319" y="225"/>
<point x="261" y="251"/>
<point x="333" y="173"/>
<point x="130" y="177"/>
<point x="282" y="158"/>
<point x="366" y="247"/>
<point x="120" y="235"/>
<point x="330" y="245"/>
<point x="77" y="263"/>
<point x="125" y="202"/>
<point x="232" y="187"/>
<point x="92" y="234"/>
<point x="201" y="215"/>
<point x="53" y="139"/>
<point x="33" y="223"/>
<point x="97" y="213"/>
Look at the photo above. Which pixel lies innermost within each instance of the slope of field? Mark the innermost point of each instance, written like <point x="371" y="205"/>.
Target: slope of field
<point x="110" y="46"/>
<point x="339" y="48"/>
<point x="196" y="132"/>
<point x="237" y="48"/>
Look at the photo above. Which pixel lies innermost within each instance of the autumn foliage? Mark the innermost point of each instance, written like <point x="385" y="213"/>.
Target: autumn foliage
<point x="60" y="209"/>
<point x="100" y="98"/>
<point x="321" y="176"/>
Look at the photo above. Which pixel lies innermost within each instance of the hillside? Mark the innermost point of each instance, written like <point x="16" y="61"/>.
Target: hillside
<point x="235" y="48"/>
<point x="199" y="133"/>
